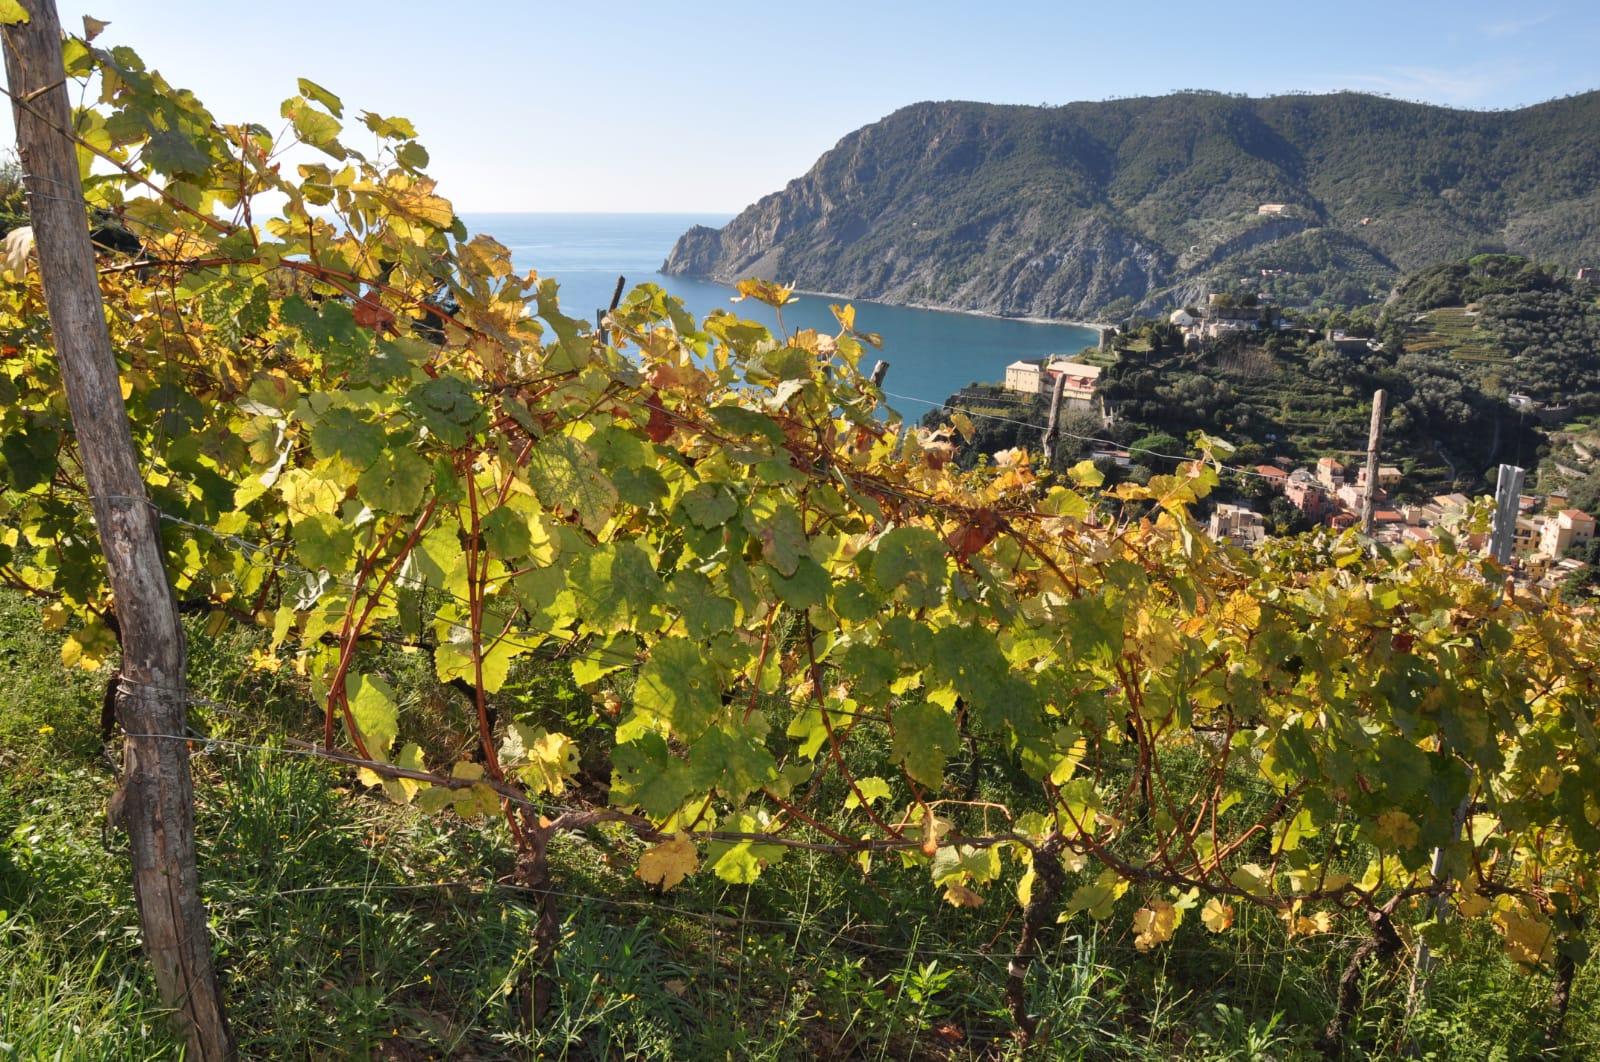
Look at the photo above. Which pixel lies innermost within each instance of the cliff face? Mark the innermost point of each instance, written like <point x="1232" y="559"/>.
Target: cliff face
<point x="1097" y="208"/>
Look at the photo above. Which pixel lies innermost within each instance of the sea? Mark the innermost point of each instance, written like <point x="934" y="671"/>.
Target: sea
<point x="932" y="353"/>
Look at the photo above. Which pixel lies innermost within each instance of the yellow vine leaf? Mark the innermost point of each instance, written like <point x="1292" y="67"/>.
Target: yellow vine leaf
<point x="1217" y="916"/>
<point x="1396" y="829"/>
<point x="542" y="759"/>
<point x="669" y="862"/>
<point x="1307" y="925"/>
<point x="1528" y="938"/>
<point x="1155" y="923"/>
<point x="957" y="895"/>
<point x="1470" y="903"/>
<point x="89" y="648"/>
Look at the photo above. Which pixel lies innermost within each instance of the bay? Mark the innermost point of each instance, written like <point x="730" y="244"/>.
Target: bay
<point x="932" y="353"/>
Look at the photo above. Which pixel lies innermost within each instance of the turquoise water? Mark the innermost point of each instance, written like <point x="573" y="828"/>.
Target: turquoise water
<point x="932" y="353"/>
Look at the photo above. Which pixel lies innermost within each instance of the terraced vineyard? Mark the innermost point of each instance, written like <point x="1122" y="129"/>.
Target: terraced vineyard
<point x="1455" y="332"/>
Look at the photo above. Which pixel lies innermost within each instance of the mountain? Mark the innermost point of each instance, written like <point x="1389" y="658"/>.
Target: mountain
<point x="1099" y="209"/>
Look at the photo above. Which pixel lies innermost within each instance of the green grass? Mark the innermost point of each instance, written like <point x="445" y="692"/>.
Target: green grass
<point x="349" y="927"/>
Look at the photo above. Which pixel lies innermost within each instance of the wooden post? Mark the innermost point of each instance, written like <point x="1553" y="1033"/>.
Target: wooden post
<point x="157" y="795"/>
<point x="1507" y="493"/>
<point x="1502" y="542"/>
<point x="600" y="315"/>
<point x="1049" y="440"/>
<point x="879" y="371"/>
<point x="1369" y="497"/>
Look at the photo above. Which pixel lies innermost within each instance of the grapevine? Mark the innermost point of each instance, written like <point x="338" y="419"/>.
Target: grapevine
<point x="365" y="428"/>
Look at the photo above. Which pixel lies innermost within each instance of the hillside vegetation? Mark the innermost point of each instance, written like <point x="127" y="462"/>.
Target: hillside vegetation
<point x="647" y="689"/>
<point x="1096" y="209"/>
<point x="1458" y="340"/>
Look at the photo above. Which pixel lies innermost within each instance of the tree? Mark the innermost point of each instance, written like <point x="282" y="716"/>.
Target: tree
<point x="1159" y="443"/>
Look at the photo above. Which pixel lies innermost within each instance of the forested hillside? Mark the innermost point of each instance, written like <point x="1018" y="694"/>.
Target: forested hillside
<point x="1458" y="341"/>
<point x="1097" y="209"/>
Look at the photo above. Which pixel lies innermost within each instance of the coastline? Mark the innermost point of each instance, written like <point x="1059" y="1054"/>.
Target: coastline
<point x="1098" y="329"/>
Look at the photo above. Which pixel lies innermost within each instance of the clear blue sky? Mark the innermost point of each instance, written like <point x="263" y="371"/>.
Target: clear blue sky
<point x="704" y="105"/>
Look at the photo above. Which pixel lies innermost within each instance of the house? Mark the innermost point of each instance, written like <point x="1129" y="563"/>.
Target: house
<point x="1275" y="477"/>
<point x="1421" y="515"/>
<point x="1525" y="540"/>
<point x="1345" y="343"/>
<point x="1120" y="458"/>
<point x="1588" y="275"/>
<point x="1036" y="377"/>
<point x="1219" y="317"/>
<point x="1388" y="476"/>
<point x="1569" y="527"/>
<point x="1272" y="209"/>
<point x="1078" y="391"/>
<point x="1559" y="572"/>
<point x="1330" y="473"/>
<point x="1237" y="524"/>
<point x="1305" y="494"/>
<point x="1215" y="327"/>
<point x="1024" y="377"/>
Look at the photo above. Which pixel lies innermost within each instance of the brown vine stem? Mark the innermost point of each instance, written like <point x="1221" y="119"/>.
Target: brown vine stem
<point x="491" y="758"/>
<point x="835" y="753"/>
<point x="1049" y="880"/>
<point x="353" y="633"/>
<point x="347" y="651"/>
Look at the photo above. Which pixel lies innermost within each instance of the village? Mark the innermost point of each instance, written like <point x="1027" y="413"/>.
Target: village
<point x="1331" y="492"/>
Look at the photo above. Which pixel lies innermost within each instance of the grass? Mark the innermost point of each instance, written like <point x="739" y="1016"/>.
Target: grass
<point x="349" y="927"/>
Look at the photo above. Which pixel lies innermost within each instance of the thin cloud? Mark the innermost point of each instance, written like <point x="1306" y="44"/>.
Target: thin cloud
<point x="1465" y="87"/>
<point x="1512" y="26"/>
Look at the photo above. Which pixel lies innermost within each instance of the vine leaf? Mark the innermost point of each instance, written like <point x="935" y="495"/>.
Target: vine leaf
<point x="669" y="862"/>
<point x="679" y="687"/>
<point x="925" y="736"/>
<point x="1216" y="915"/>
<point x="1155" y="923"/>
<point x="1529" y="940"/>
<point x="376" y="714"/>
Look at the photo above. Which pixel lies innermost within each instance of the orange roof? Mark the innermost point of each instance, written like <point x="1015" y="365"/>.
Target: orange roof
<point x="1271" y="470"/>
<point x="1576" y="514"/>
<point x="1387" y="516"/>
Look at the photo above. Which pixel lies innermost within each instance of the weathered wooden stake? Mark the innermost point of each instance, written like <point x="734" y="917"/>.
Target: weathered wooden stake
<point x="600" y="315"/>
<point x="157" y="795"/>
<point x="1369" y="497"/>
<point x="1502" y="542"/>
<point x="1507" y="494"/>
<point x="1049" y="440"/>
<point x="879" y="371"/>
